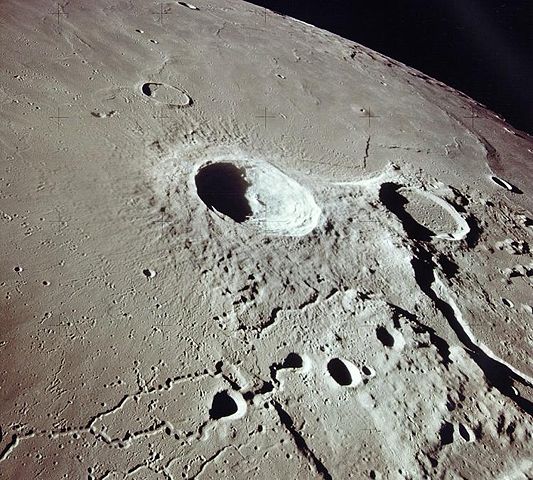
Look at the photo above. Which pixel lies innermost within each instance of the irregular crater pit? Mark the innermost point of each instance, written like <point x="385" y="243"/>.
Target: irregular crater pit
<point x="257" y="195"/>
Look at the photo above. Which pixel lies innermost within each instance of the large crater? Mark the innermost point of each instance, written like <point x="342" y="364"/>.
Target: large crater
<point x="257" y="195"/>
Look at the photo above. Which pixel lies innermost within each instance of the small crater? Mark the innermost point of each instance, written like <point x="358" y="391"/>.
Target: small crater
<point x="344" y="373"/>
<point x="507" y="303"/>
<point x="188" y="5"/>
<point x="110" y="114"/>
<point x="339" y="372"/>
<point x="514" y="247"/>
<point x="519" y="271"/>
<point x="504" y="184"/>
<point x="465" y="433"/>
<point x="385" y="337"/>
<point x="149" y="273"/>
<point x="390" y="197"/>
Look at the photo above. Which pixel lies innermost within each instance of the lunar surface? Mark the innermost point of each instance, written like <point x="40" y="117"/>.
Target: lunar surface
<point x="237" y="246"/>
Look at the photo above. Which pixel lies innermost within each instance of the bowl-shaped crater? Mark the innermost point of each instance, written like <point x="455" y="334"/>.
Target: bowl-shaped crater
<point x="257" y="195"/>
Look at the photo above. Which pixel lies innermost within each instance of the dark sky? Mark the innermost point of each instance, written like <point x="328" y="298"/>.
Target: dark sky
<point x="481" y="47"/>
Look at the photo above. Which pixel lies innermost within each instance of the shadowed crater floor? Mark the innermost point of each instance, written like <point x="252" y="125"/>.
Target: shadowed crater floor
<point x="395" y="202"/>
<point x="222" y="187"/>
<point x="223" y="406"/>
<point x="339" y="371"/>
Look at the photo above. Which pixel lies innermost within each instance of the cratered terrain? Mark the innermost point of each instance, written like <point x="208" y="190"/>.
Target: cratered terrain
<point x="237" y="246"/>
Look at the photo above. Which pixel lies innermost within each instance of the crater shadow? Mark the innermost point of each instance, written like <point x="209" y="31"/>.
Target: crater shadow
<point x="385" y="337"/>
<point x="293" y="360"/>
<point x="149" y="88"/>
<point x="339" y="372"/>
<point x="446" y="433"/>
<point x="223" y="406"/>
<point x="395" y="202"/>
<point x="506" y="185"/>
<point x="222" y="187"/>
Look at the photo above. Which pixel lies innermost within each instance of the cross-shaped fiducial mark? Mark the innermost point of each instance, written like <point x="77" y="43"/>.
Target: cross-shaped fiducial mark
<point x="162" y="325"/>
<point x="57" y="118"/>
<point x="163" y="219"/>
<point x="264" y="116"/>
<point x="161" y="116"/>
<point x="162" y="328"/>
<point x="161" y="13"/>
<point x="472" y="116"/>
<point x="367" y="113"/>
<point x="58" y="12"/>
<point x="61" y="325"/>
<point x="61" y="223"/>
